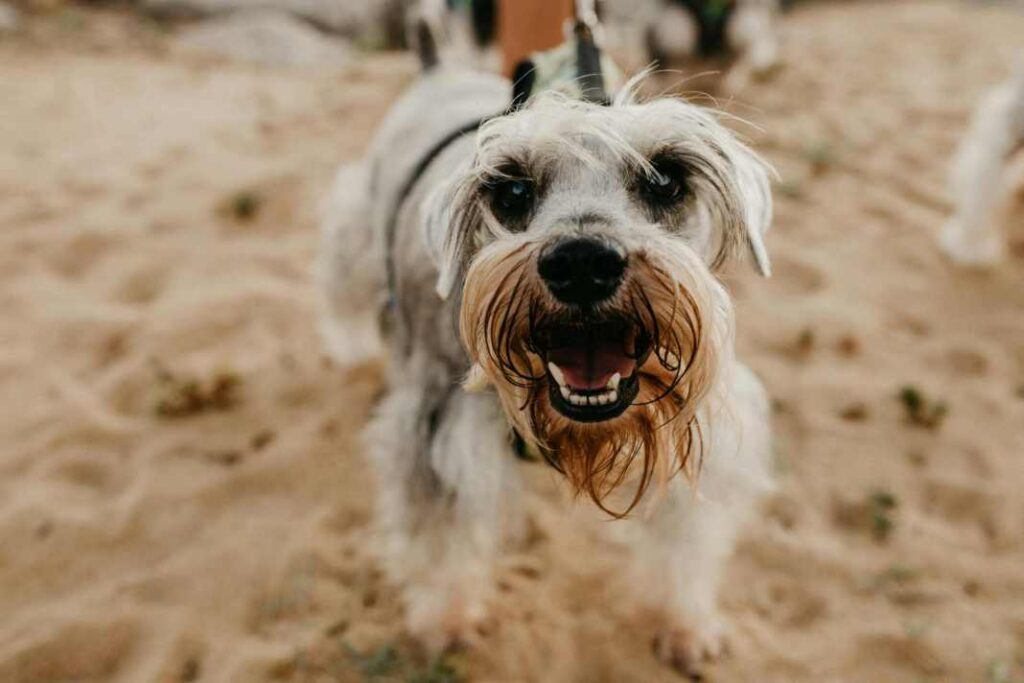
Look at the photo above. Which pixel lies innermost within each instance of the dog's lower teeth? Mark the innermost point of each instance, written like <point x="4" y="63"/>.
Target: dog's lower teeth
<point x="607" y="398"/>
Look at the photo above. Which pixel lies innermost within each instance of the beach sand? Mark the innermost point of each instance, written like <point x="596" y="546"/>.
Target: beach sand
<point x="182" y="494"/>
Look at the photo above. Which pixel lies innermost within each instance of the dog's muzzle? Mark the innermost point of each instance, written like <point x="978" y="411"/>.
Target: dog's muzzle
<point x="591" y="359"/>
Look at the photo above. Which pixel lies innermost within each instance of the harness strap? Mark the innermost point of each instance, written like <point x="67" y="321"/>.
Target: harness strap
<point x="407" y="187"/>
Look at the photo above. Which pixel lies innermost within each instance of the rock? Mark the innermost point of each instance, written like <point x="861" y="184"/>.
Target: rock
<point x="9" y="18"/>
<point x="267" y="37"/>
<point x="357" y="19"/>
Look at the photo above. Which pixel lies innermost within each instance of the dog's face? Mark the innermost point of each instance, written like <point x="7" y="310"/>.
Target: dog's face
<point x="584" y="243"/>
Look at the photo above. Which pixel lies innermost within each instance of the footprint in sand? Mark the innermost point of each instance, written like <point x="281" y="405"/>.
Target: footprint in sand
<point x="79" y="651"/>
<point x="143" y="285"/>
<point x="91" y="473"/>
<point x="971" y="501"/>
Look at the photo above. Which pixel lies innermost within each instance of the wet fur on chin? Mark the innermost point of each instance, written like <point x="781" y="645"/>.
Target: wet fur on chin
<point x="504" y="301"/>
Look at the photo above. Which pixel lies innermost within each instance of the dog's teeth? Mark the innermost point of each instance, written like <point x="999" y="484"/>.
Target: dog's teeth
<point x="565" y="393"/>
<point x="613" y="383"/>
<point x="613" y="396"/>
<point x="578" y="400"/>
<point x="603" y="399"/>
<point x="593" y="400"/>
<point x="557" y="373"/>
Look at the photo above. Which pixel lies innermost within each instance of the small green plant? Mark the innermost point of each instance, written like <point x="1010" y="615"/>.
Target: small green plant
<point x="246" y="205"/>
<point x="881" y="506"/>
<point x="383" y="661"/>
<point x="439" y="671"/>
<point x="921" y="410"/>
<point x="894" y="577"/>
<point x="386" y="664"/>
<point x="899" y="573"/>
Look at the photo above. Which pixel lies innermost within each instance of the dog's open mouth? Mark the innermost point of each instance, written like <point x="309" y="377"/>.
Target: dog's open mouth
<point x="592" y="368"/>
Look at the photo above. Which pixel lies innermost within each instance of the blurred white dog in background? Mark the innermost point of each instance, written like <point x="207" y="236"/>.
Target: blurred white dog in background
<point x="988" y="176"/>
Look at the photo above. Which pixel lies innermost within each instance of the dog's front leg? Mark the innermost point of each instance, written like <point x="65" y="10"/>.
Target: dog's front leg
<point x="680" y="552"/>
<point x="445" y="474"/>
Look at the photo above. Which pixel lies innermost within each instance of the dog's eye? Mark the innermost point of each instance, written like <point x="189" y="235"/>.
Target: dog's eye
<point x="666" y="186"/>
<point x="512" y="199"/>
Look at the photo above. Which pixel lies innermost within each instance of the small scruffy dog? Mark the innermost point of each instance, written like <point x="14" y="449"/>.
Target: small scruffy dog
<point x="987" y="177"/>
<point x="550" y="277"/>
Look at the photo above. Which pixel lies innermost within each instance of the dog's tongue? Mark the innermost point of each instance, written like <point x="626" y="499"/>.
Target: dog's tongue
<point x="590" y="366"/>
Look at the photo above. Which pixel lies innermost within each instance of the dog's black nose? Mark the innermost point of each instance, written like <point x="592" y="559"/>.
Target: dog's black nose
<point x="581" y="271"/>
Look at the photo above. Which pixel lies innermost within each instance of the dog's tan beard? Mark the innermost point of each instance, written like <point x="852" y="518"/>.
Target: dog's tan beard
<point x="504" y="303"/>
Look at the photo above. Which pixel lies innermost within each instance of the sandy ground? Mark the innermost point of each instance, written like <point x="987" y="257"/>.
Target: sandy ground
<point x="181" y="494"/>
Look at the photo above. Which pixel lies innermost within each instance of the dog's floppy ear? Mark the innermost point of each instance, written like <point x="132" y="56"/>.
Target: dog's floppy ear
<point x="447" y="231"/>
<point x="754" y="183"/>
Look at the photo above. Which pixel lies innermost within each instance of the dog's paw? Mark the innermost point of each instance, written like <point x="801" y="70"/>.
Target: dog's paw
<point x="968" y="249"/>
<point x="443" y="623"/>
<point x="688" y="649"/>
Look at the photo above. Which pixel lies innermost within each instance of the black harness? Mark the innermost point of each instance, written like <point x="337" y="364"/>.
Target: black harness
<point x="407" y="187"/>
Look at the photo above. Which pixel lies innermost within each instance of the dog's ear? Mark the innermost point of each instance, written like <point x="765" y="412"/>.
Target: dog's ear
<point x="755" y="189"/>
<point x="447" y="231"/>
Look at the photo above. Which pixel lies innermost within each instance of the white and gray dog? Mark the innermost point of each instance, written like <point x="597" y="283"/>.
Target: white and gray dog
<point x="987" y="174"/>
<point x="550" y="276"/>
